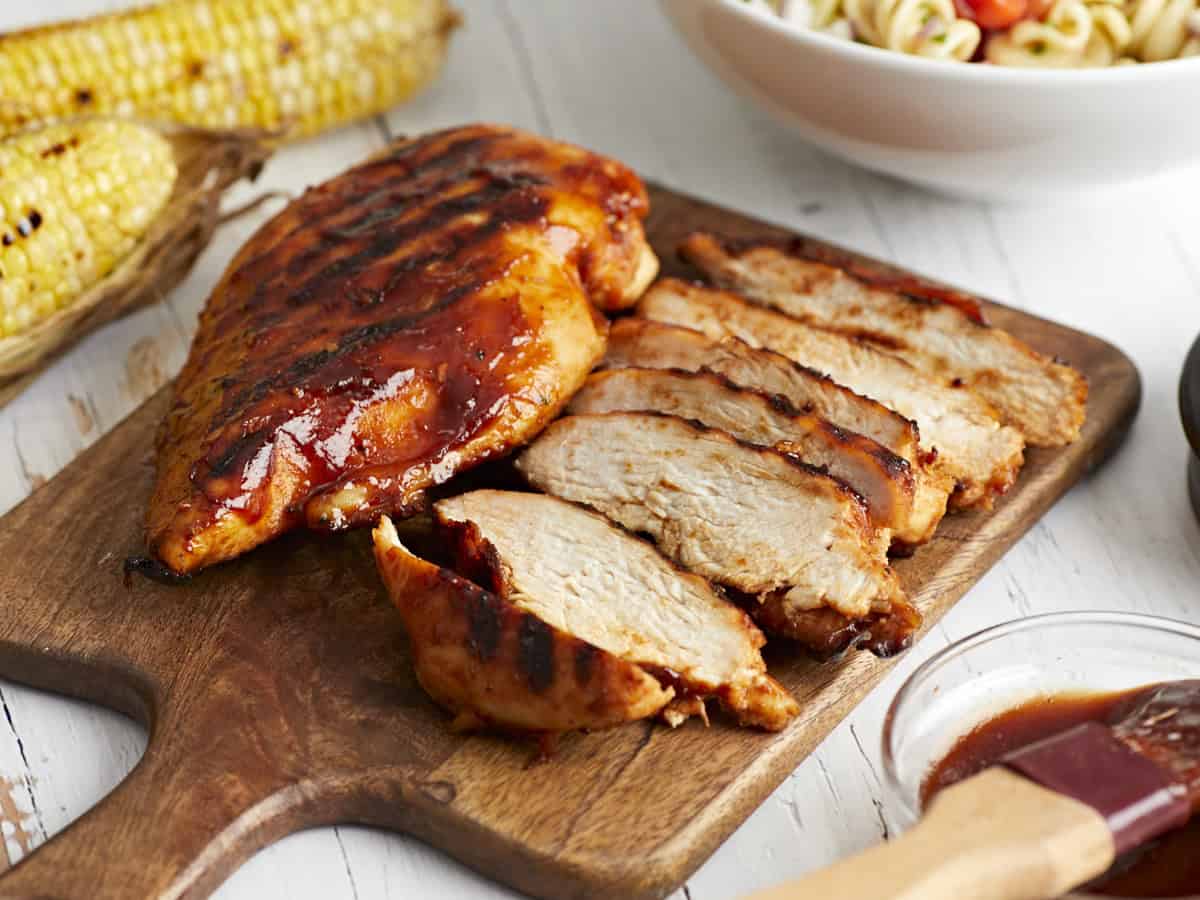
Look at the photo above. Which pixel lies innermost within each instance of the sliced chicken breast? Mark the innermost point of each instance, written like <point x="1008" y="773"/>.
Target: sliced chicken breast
<point x="981" y="454"/>
<point x="746" y="517"/>
<point x="878" y="476"/>
<point x="646" y="343"/>
<point x="496" y="665"/>
<point x="575" y="571"/>
<point x="1044" y="399"/>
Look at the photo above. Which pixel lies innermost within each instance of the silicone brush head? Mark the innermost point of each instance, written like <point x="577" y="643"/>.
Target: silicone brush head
<point x="1141" y="771"/>
<point x="1189" y="411"/>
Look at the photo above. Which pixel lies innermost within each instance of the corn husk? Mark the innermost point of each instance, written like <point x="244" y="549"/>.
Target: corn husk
<point x="208" y="163"/>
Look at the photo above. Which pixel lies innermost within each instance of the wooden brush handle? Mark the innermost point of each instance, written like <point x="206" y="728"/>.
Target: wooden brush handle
<point x="996" y="836"/>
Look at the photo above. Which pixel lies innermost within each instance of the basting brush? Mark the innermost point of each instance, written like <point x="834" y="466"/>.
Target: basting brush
<point x="1051" y="816"/>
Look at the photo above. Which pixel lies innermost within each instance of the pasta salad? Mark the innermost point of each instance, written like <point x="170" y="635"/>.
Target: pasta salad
<point x="1034" y="33"/>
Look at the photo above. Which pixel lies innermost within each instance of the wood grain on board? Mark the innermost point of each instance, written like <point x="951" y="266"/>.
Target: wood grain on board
<point x="278" y="693"/>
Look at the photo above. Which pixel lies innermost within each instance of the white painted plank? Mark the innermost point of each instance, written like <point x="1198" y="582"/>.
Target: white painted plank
<point x="484" y="80"/>
<point x="63" y="755"/>
<point x="390" y="865"/>
<point x="612" y="76"/>
<point x="308" y="864"/>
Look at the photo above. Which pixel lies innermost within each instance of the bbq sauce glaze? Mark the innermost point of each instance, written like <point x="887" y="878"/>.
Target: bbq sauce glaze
<point x="1168" y="867"/>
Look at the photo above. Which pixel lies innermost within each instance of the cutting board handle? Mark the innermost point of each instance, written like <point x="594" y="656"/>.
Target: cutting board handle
<point x="996" y="836"/>
<point x="174" y="828"/>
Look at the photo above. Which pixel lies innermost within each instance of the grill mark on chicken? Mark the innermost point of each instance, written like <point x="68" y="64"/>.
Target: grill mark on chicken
<point x="536" y="656"/>
<point x="974" y="448"/>
<point x="524" y="675"/>
<point x="341" y="384"/>
<point x="1044" y="399"/>
<point x="585" y="663"/>
<point x="504" y="201"/>
<point x="339" y="207"/>
<point x="483" y="632"/>
<point x="583" y="576"/>
<point x="420" y="299"/>
<point x="406" y="320"/>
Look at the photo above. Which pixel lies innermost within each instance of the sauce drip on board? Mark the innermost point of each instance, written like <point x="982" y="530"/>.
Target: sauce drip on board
<point x="1167" y="867"/>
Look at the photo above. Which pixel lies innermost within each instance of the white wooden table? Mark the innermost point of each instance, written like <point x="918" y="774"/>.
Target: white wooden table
<point x="611" y="75"/>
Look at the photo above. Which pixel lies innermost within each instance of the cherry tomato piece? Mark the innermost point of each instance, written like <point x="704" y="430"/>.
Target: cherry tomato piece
<point x="993" y="14"/>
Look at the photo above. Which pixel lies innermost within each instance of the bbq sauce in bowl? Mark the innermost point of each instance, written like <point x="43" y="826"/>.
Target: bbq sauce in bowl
<point x="1167" y="867"/>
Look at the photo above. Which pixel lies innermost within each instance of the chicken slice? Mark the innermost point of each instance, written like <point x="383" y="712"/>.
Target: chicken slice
<point x="982" y="455"/>
<point x="646" y="343"/>
<point x="578" y="573"/>
<point x="882" y="479"/>
<point x="423" y="312"/>
<point x="1044" y="399"/>
<point x="748" y="518"/>
<point x="494" y="664"/>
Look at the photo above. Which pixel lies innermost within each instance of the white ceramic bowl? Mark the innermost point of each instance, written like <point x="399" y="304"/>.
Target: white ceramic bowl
<point x="978" y="130"/>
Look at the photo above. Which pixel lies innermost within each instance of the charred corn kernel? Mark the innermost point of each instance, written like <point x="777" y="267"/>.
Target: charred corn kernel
<point x="298" y="65"/>
<point x="75" y="199"/>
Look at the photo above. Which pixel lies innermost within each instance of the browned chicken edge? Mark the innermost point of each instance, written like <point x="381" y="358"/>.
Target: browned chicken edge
<point x="494" y="665"/>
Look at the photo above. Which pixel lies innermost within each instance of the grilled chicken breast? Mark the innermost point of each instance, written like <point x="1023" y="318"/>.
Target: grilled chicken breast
<point x="882" y="479"/>
<point x="494" y="664"/>
<point x="1044" y="399"/>
<point x="576" y="572"/>
<point x="745" y="517"/>
<point x="425" y="311"/>
<point x="973" y="447"/>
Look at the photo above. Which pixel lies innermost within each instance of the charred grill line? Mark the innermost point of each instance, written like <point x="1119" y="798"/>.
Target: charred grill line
<point x="585" y="661"/>
<point x="483" y="622"/>
<point x="535" y="656"/>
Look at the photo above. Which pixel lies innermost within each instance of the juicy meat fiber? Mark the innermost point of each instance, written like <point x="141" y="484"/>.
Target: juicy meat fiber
<point x="878" y="476"/>
<point x="973" y="447"/>
<point x="637" y="342"/>
<point x="746" y="517"/>
<point x="425" y="311"/>
<point x="493" y="664"/>
<point x="578" y="573"/>
<point x="646" y="343"/>
<point x="1045" y="399"/>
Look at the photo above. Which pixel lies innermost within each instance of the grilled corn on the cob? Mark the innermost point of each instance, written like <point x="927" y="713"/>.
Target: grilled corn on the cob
<point x="297" y="65"/>
<point x="75" y="198"/>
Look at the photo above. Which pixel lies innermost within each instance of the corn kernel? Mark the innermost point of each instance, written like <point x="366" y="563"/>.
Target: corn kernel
<point x="75" y="199"/>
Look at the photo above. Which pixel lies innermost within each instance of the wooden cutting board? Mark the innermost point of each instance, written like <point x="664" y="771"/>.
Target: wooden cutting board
<point x="278" y="694"/>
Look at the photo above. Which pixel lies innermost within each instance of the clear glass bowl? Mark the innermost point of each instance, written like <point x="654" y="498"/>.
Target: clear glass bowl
<point x="994" y="670"/>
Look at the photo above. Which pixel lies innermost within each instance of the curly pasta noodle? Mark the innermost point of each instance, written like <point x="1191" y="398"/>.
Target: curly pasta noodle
<point x="919" y="27"/>
<point x="1072" y="33"/>
<point x="1058" y="41"/>
<point x="1110" y="37"/>
<point x="1163" y="29"/>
